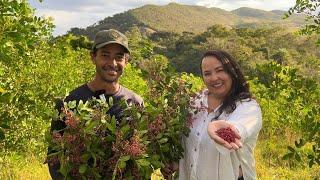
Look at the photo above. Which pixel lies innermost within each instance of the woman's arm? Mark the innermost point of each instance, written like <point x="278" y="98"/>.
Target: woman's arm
<point x="245" y="121"/>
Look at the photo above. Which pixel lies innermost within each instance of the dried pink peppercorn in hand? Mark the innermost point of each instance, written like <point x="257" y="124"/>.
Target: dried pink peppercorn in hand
<point x="227" y="134"/>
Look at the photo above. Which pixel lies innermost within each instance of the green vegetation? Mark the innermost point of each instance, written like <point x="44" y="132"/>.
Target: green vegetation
<point x="179" y="18"/>
<point x="255" y="13"/>
<point x="310" y="9"/>
<point x="249" y="46"/>
<point x="282" y="68"/>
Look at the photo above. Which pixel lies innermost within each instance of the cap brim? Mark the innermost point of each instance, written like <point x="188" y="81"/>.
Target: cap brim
<point x="111" y="42"/>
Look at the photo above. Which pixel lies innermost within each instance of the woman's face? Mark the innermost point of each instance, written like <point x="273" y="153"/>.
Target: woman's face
<point x="217" y="80"/>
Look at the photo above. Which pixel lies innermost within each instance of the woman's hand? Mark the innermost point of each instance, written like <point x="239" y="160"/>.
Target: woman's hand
<point x="214" y="126"/>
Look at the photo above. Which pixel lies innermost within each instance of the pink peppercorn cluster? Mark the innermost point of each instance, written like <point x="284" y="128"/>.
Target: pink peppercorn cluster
<point x="70" y="120"/>
<point x="190" y="120"/>
<point x="95" y="144"/>
<point x="227" y="134"/>
<point x="195" y="109"/>
<point x="156" y="126"/>
<point x="133" y="147"/>
<point x="52" y="160"/>
<point x="56" y="137"/>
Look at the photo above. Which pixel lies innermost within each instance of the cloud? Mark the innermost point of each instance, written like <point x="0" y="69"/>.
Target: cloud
<point x="267" y="5"/>
<point x="64" y="20"/>
<point x="67" y="15"/>
<point x="100" y="6"/>
<point x="82" y="13"/>
<point x="97" y="6"/>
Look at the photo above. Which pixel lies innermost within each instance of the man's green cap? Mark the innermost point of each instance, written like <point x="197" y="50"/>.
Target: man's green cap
<point x="110" y="36"/>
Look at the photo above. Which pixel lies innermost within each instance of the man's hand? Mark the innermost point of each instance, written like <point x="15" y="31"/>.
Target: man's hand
<point x="214" y="126"/>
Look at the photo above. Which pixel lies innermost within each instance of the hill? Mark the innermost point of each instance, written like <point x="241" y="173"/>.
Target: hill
<point x="258" y="14"/>
<point x="259" y="18"/>
<point x="179" y="18"/>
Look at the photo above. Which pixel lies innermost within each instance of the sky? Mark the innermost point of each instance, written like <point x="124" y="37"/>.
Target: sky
<point x="82" y="13"/>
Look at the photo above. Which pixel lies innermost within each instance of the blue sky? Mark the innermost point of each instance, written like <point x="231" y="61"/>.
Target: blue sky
<point x="82" y="13"/>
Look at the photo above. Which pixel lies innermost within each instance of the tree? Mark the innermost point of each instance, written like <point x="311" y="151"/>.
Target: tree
<point x="20" y="33"/>
<point x="20" y="29"/>
<point x="311" y="9"/>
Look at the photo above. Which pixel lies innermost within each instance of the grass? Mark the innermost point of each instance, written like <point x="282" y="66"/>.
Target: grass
<point x="15" y="166"/>
<point x="270" y="166"/>
<point x="268" y="155"/>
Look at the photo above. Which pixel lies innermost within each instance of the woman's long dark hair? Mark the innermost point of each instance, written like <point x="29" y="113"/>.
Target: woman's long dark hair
<point x="239" y="89"/>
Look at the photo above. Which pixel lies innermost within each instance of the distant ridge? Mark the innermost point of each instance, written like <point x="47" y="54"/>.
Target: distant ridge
<point x="180" y="18"/>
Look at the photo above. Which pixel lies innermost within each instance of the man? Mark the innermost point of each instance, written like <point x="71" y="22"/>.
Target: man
<point x="110" y="54"/>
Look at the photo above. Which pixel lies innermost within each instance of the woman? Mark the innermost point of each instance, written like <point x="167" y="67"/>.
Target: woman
<point x="226" y="102"/>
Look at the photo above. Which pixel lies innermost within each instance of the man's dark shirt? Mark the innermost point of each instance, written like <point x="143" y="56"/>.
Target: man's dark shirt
<point x="84" y="93"/>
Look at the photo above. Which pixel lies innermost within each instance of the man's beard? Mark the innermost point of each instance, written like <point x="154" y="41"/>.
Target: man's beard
<point x="111" y="79"/>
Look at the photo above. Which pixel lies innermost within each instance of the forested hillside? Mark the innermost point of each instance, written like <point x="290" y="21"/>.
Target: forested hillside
<point x="282" y="67"/>
<point x="250" y="46"/>
<point x="180" y="18"/>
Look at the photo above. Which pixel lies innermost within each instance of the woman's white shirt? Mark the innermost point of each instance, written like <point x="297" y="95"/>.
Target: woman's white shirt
<point x="204" y="159"/>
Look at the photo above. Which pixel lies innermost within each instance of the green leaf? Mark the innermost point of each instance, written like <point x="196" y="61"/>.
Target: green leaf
<point x="83" y="168"/>
<point x="86" y="156"/>
<point x="163" y="140"/>
<point x="297" y="157"/>
<point x="125" y="158"/>
<point x="90" y="126"/>
<point x="110" y="138"/>
<point x="72" y="104"/>
<point x="165" y="148"/>
<point x="80" y="104"/>
<point x="159" y="136"/>
<point x="9" y="44"/>
<point x="96" y="174"/>
<point x="287" y="156"/>
<point x="311" y="163"/>
<point x="125" y="129"/>
<point x="157" y="164"/>
<point x="2" y="90"/>
<point x="94" y="159"/>
<point x="86" y="107"/>
<point x="103" y="98"/>
<point x="155" y="157"/>
<point x="299" y="144"/>
<point x="111" y="128"/>
<point x="110" y="101"/>
<point x="291" y="149"/>
<point x="121" y="164"/>
<point x="141" y="133"/>
<point x="6" y="97"/>
<point x="63" y="170"/>
<point x="2" y="136"/>
<point x="143" y="162"/>
<point x="4" y="126"/>
<point x="138" y="115"/>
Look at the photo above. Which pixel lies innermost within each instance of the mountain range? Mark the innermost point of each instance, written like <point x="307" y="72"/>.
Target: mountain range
<point x="178" y="18"/>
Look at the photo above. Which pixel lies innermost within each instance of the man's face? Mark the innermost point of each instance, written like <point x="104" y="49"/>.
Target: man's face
<point x="110" y="61"/>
